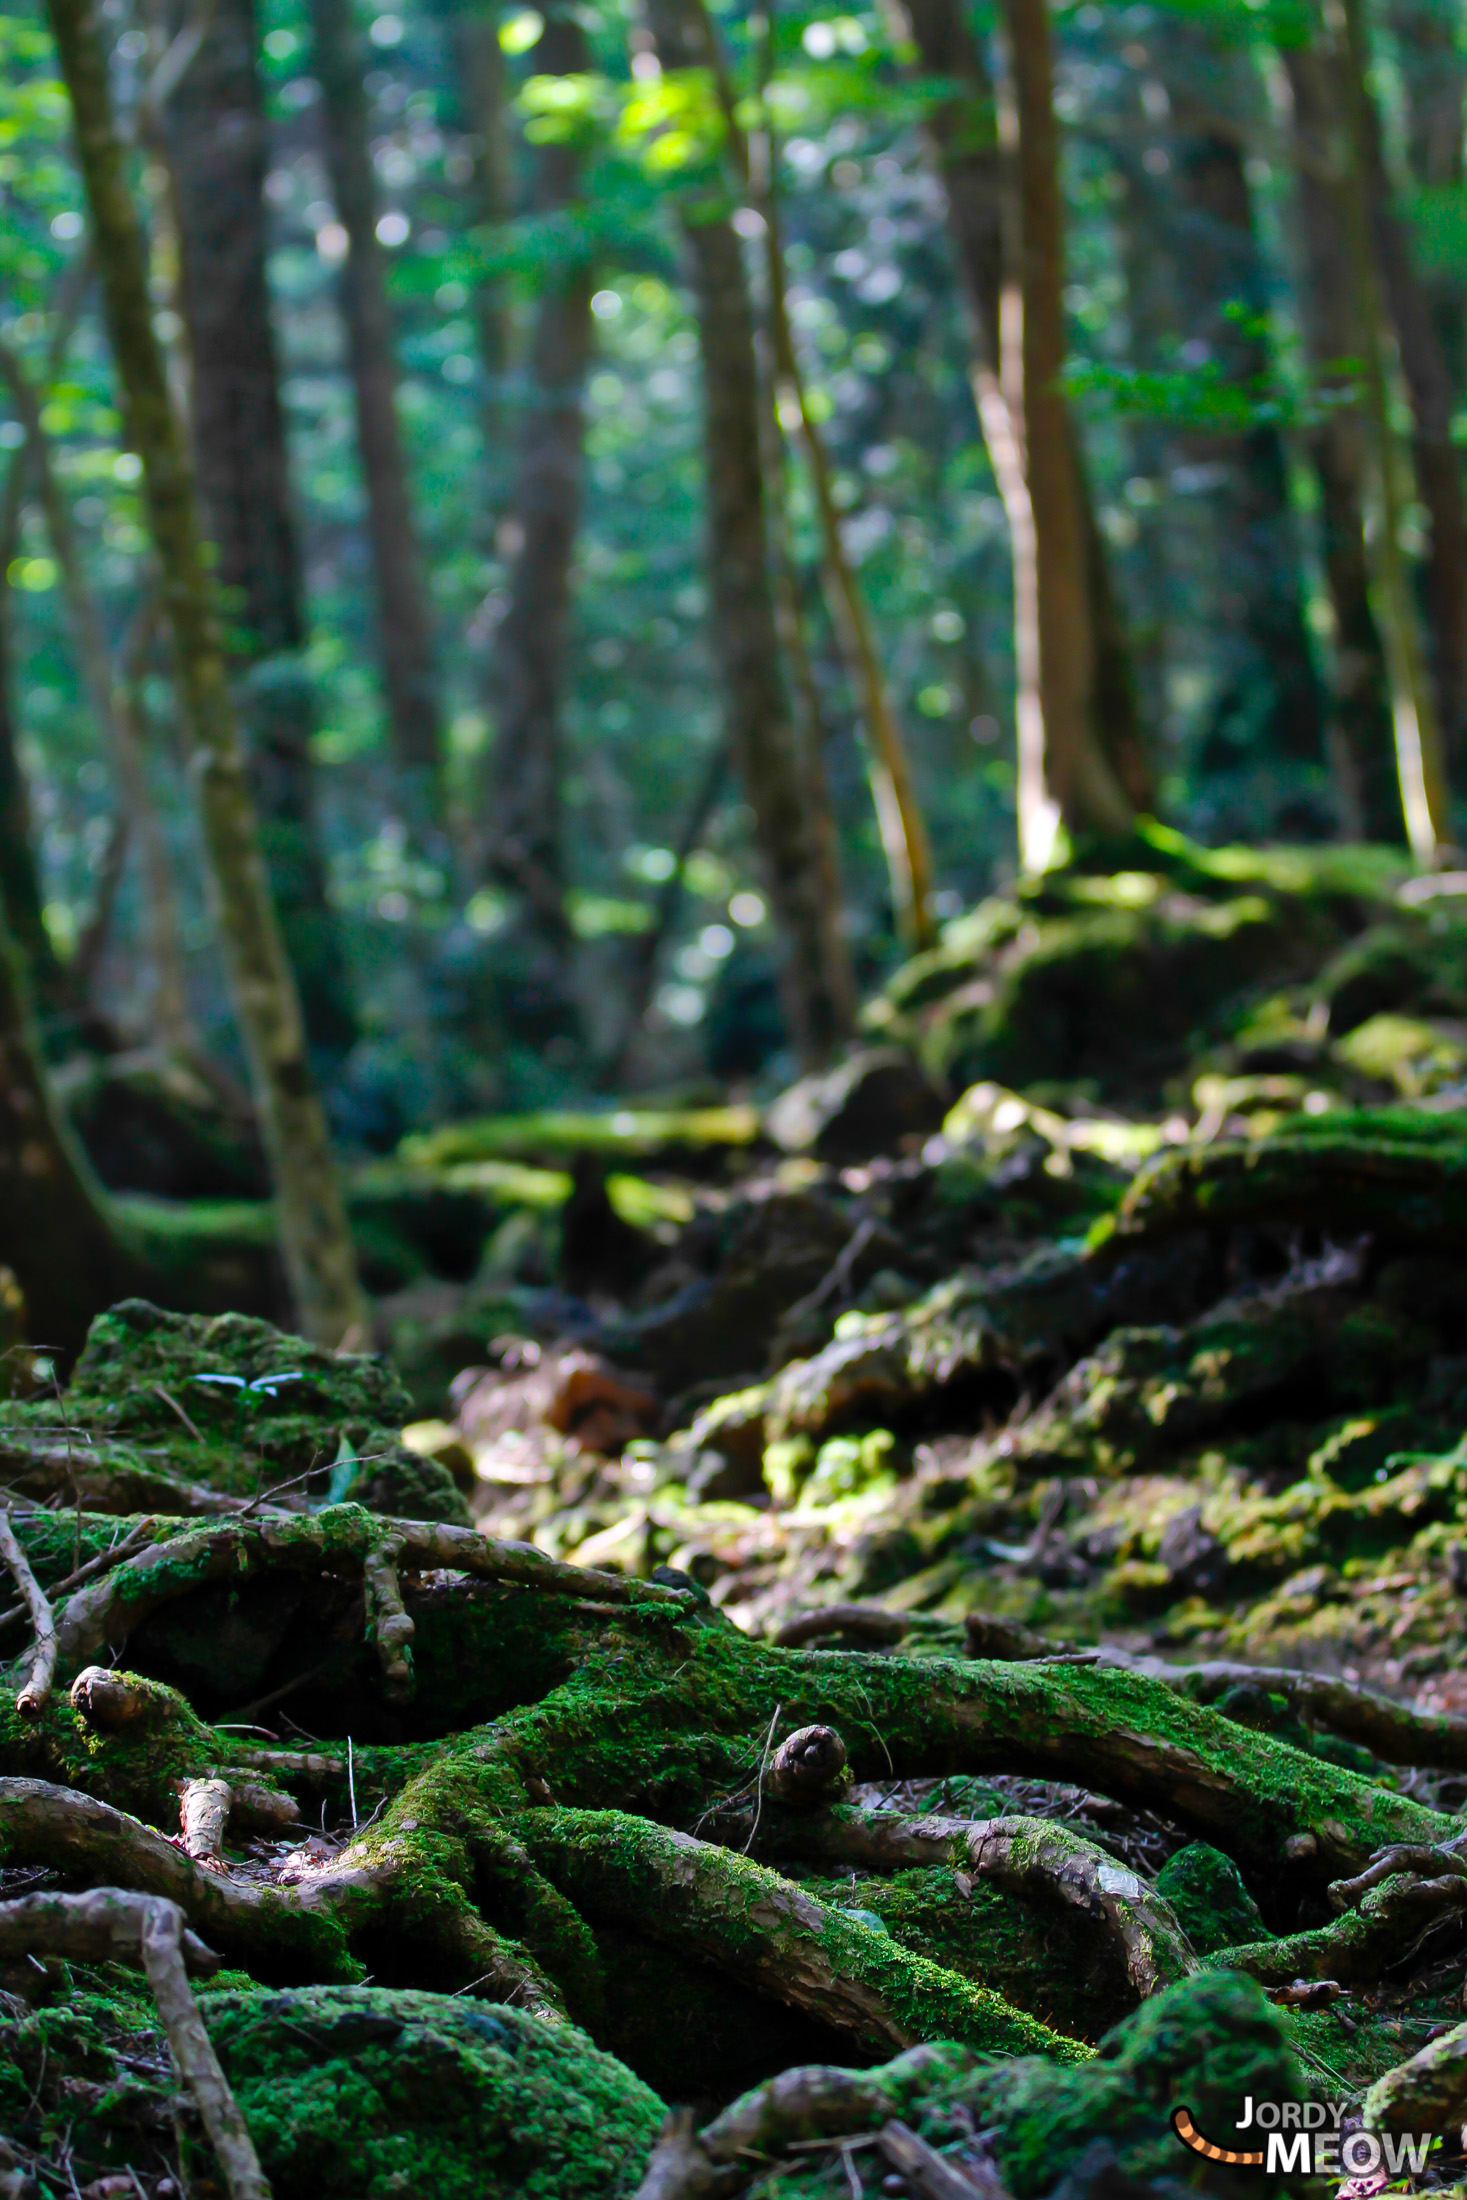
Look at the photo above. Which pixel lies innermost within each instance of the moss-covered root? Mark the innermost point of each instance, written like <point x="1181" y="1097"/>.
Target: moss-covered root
<point x="816" y="2102"/>
<point x="769" y="1934"/>
<point x="1428" y="2093"/>
<point x="1037" y="1857"/>
<point x="339" y="1536"/>
<point x="1356" y="1946"/>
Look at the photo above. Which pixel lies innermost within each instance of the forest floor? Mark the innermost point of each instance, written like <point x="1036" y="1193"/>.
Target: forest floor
<point x="965" y="1564"/>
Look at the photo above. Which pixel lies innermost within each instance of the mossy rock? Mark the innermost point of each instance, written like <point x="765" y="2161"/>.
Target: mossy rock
<point x="1214" y="1908"/>
<point x="349" y="2093"/>
<point x="233" y="1403"/>
<point x="358" y="2093"/>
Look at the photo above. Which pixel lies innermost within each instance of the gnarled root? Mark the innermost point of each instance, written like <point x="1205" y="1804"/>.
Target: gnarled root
<point x="36" y="1691"/>
<point x="763" y="1930"/>
<point x="203" y="1809"/>
<point x="1028" y="1856"/>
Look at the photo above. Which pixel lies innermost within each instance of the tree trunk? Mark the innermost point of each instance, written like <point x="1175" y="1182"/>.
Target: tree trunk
<point x="405" y="626"/>
<point x="1266" y="725"/>
<point x="1337" y="445"/>
<point x="523" y="828"/>
<point x="55" y="1235"/>
<point x="483" y="100"/>
<point x="966" y="149"/>
<point x="311" y="1217"/>
<point x="111" y="697"/>
<point x="20" y="883"/>
<point x="1064" y="776"/>
<point x="1420" y="759"/>
<point x="217" y="144"/>
<point x="816" y="974"/>
<point x="1438" y="468"/>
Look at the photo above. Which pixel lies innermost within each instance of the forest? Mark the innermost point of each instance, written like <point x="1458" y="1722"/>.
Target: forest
<point x="733" y="1100"/>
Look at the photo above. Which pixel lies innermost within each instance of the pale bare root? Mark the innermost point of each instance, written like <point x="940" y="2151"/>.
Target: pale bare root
<point x="111" y="1924"/>
<point x="203" y="1810"/>
<point x="193" y="2051"/>
<point x="36" y="1692"/>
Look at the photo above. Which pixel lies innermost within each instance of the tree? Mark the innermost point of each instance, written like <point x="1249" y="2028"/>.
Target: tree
<point x="900" y="823"/>
<point x="1263" y="740"/>
<point x="56" y="1234"/>
<point x="1004" y="215"/>
<point x="1337" y="444"/>
<point x="215" y="132"/>
<point x="405" y="631"/>
<point x="1420" y="758"/>
<point x="1064" y="775"/>
<point x="522" y="833"/>
<point x="310" y="1213"/>
<point x="744" y="633"/>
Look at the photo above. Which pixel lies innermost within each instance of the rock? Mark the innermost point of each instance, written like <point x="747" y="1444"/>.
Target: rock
<point x="867" y="1106"/>
<point x="1213" y="1907"/>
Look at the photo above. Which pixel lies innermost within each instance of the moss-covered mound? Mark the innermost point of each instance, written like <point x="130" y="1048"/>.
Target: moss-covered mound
<point x="349" y="2093"/>
<point x="162" y="1403"/>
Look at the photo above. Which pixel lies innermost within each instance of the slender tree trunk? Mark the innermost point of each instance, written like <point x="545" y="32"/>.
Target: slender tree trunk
<point x="1064" y="775"/>
<point x="310" y="1212"/>
<point x="483" y="100"/>
<point x="215" y="132"/>
<point x="111" y="699"/>
<point x="1420" y="761"/>
<point x="523" y="836"/>
<point x="816" y="977"/>
<point x="55" y="1232"/>
<point x="964" y="139"/>
<point x="899" y="818"/>
<point x="1337" y="443"/>
<point x="1436" y="461"/>
<point x="405" y="633"/>
<point x="20" y="883"/>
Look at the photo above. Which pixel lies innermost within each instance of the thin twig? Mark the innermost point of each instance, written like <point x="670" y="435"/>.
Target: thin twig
<point x="170" y="1400"/>
<point x="759" y="1783"/>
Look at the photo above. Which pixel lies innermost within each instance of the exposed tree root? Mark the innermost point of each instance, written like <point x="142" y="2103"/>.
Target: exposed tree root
<point x="1428" y="2093"/>
<point x="1392" y="1731"/>
<point x="37" y="1689"/>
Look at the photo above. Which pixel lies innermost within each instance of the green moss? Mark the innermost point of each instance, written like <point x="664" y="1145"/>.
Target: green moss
<point x="1213" y="1906"/>
<point x="642" y="1134"/>
<point x="1057" y="1964"/>
<point x="234" y="1403"/>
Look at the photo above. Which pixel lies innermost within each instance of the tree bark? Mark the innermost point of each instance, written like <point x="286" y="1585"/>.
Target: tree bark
<point x="405" y="625"/>
<point x="744" y="635"/>
<point x="310" y="1213"/>
<point x="483" y="99"/>
<point x="523" y="829"/>
<point x="1420" y="756"/>
<point x="216" y="135"/>
<point x="20" y="883"/>
<point x="1269" y="709"/>
<point x="986" y="230"/>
